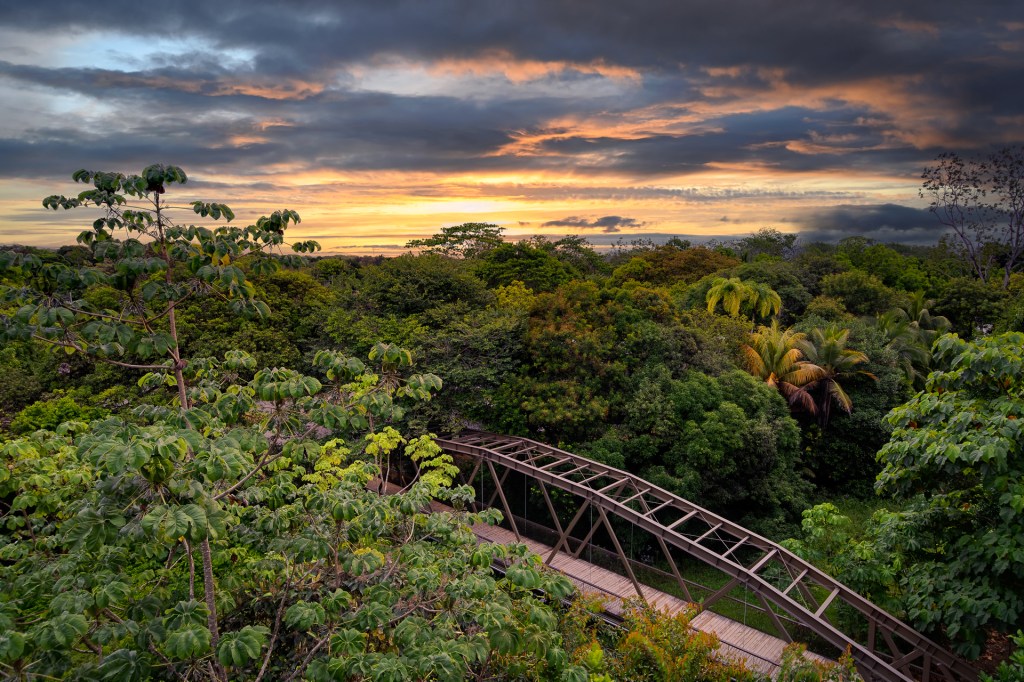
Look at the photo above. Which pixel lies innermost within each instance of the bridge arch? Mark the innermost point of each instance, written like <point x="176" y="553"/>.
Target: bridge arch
<point x="893" y="651"/>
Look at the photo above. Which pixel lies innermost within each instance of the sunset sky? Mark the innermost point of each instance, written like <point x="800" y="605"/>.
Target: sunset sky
<point x="381" y="122"/>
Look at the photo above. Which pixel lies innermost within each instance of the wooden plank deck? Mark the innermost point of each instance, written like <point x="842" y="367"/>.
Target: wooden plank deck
<point x="757" y="650"/>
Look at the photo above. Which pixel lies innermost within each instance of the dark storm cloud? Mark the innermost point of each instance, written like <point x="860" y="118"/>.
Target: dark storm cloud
<point x="868" y="36"/>
<point x="643" y="92"/>
<point x="771" y="139"/>
<point x="880" y="222"/>
<point x="608" y="223"/>
<point x="315" y="41"/>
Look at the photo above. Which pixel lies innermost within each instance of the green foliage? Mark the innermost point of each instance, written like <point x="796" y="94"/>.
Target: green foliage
<point x="694" y="436"/>
<point x="537" y="268"/>
<point x="149" y="263"/>
<point x="666" y="265"/>
<point x="766" y="243"/>
<point x="240" y="460"/>
<point x="799" y="668"/>
<point x="859" y="292"/>
<point x="735" y="295"/>
<point x="782" y="277"/>
<point x="412" y="284"/>
<point x="834" y="544"/>
<point x="894" y="269"/>
<point x="828" y="308"/>
<point x="51" y="413"/>
<point x="774" y="355"/>
<point x="335" y="561"/>
<point x="216" y="532"/>
<point x="661" y="648"/>
<point x="468" y="240"/>
<point x="1013" y="669"/>
<point x="955" y="457"/>
<point x="972" y="306"/>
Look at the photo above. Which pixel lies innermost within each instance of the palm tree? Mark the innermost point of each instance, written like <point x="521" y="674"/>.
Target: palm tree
<point x="929" y="327"/>
<point x="909" y="332"/>
<point x="827" y="350"/>
<point x="763" y="299"/>
<point x="905" y="342"/>
<point x="775" y="357"/>
<point x="732" y="292"/>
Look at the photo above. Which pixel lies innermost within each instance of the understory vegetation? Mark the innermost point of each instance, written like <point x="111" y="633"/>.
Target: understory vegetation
<point x="195" y="429"/>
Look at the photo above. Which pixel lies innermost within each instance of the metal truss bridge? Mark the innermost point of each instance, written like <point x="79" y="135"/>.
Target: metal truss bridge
<point x="603" y="507"/>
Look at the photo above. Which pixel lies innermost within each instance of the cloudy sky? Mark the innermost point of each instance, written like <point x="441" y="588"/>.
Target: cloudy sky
<point x="382" y="121"/>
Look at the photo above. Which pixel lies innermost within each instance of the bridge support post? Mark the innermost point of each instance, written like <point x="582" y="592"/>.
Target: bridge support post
<point x="622" y="555"/>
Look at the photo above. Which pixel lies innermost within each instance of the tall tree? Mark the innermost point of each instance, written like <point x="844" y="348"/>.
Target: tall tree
<point x="826" y="349"/>
<point x="982" y="201"/>
<point x="955" y="461"/>
<point x="731" y="292"/>
<point x="467" y="240"/>
<point x="775" y="356"/>
<point x="762" y="299"/>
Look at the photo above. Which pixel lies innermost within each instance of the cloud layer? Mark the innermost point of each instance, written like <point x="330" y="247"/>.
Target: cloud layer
<point x="374" y="119"/>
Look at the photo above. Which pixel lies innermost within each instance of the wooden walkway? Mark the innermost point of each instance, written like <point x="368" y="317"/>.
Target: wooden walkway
<point x="758" y="651"/>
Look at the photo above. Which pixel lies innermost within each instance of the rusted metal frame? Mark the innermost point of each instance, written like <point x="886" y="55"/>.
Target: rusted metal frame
<point x="870" y="662"/>
<point x="586" y="540"/>
<point x="551" y="510"/>
<point x="554" y="464"/>
<point x="504" y="502"/>
<point x="657" y="509"/>
<point x="510" y="444"/>
<point x="523" y="453"/>
<point x="534" y="456"/>
<point x="613" y="484"/>
<point x="897" y="654"/>
<point x="906" y="659"/>
<point x="795" y="581"/>
<point x="591" y="477"/>
<point x="564" y="539"/>
<point x="568" y="481"/>
<point x="639" y="493"/>
<point x="762" y="561"/>
<point x="474" y="505"/>
<point x="668" y="556"/>
<point x="825" y="603"/>
<point x="615" y="487"/>
<point x="499" y="485"/>
<point x="926" y="669"/>
<point x="576" y="469"/>
<point x="708" y="532"/>
<point x="736" y="546"/>
<point x="680" y="520"/>
<point x="720" y="592"/>
<point x="812" y="601"/>
<point x="622" y="554"/>
<point x="867" y="660"/>
<point x="471" y="437"/>
<point x="775" y="617"/>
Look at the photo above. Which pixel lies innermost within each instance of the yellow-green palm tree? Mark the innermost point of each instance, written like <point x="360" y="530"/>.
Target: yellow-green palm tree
<point x="763" y="300"/>
<point x="826" y="349"/>
<point x="732" y="293"/>
<point x="774" y="355"/>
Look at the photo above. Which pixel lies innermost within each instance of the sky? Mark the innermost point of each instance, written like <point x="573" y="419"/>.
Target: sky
<point x="380" y="122"/>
